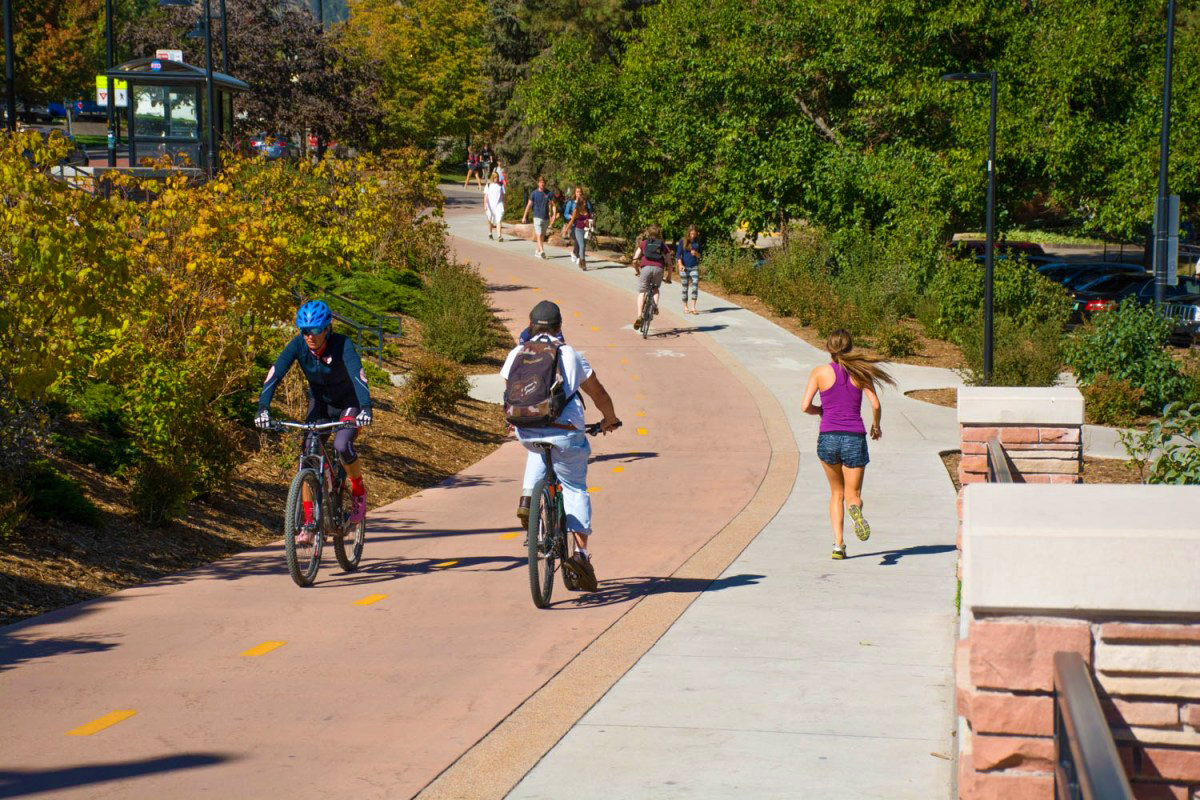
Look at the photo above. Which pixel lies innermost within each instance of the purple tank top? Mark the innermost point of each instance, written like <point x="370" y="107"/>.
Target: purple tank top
<point x="842" y="404"/>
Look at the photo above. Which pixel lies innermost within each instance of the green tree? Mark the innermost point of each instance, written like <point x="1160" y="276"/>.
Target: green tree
<point x="429" y="55"/>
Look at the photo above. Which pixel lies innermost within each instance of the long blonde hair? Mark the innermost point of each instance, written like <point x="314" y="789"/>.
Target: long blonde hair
<point x="864" y="370"/>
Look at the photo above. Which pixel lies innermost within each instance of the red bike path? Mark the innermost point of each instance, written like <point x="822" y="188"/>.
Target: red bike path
<point x="372" y="684"/>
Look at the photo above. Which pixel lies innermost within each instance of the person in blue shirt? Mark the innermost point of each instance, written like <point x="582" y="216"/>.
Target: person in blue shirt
<point x="539" y="203"/>
<point x="337" y="389"/>
<point x="687" y="256"/>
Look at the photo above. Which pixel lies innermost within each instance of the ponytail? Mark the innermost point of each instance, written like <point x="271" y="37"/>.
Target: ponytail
<point x="864" y="370"/>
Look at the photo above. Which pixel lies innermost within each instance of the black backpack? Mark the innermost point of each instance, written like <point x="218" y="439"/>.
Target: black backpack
<point x="654" y="250"/>
<point x="534" y="396"/>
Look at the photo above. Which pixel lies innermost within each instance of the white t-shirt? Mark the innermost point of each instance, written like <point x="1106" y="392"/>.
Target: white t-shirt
<point x="575" y="370"/>
<point x="493" y="201"/>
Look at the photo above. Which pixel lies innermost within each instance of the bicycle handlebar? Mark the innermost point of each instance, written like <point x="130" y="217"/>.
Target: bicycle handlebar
<point x="594" y="428"/>
<point x="278" y="426"/>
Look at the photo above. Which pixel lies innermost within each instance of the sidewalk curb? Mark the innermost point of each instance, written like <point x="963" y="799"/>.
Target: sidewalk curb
<point x="498" y="761"/>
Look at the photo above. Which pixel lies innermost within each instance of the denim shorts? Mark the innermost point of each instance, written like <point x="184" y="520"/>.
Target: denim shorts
<point x="847" y="449"/>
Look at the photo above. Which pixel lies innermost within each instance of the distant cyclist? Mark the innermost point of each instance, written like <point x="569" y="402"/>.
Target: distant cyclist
<point x="337" y="390"/>
<point x="650" y="261"/>
<point x="564" y="432"/>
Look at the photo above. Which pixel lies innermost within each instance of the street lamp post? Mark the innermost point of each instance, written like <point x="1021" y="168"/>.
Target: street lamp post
<point x="112" y="96"/>
<point x="989" y="244"/>
<point x="206" y="24"/>
<point x="10" y="85"/>
<point x="1164" y="148"/>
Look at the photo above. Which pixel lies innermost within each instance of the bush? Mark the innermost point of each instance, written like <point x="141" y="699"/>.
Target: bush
<point x="457" y="321"/>
<point x="110" y="456"/>
<point x="160" y="492"/>
<point x="1018" y="292"/>
<point x="435" y="386"/>
<point x="102" y="405"/>
<point x="894" y="341"/>
<point x="1129" y="344"/>
<point x="1022" y="355"/>
<point x="1176" y="439"/>
<point x="730" y="267"/>
<point x="394" y="291"/>
<point x="54" y="496"/>
<point x="1112" y="401"/>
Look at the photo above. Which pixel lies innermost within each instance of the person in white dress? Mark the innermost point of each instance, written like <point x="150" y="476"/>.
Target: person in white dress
<point x="493" y="205"/>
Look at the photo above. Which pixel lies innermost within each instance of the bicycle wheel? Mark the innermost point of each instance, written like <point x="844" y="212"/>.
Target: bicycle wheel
<point x="302" y="542"/>
<point x="647" y="314"/>
<point x="348" y="548"/>
<point x="543" y="532"/>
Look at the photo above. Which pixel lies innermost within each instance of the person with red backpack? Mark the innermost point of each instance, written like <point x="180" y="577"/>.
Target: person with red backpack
<point x="543" y="379"/>
<point x="650" y="261"/>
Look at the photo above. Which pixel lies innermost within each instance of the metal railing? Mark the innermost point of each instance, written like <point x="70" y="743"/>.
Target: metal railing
<point x="1000" y="467"/>
<point x="1086" y="764"/>
<point x="367" y="324"/>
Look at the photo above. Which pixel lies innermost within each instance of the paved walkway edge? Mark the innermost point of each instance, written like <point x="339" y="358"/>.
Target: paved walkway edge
<point x="498" y="761"/>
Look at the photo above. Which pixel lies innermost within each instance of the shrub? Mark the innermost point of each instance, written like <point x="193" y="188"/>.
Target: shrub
<point x="1112" y="401"/>
<point x="1129" y="344"/>
<point x="1022" y="355"/>
<point x="894" y="341"/>
<point x="730" y="267"/>
<point x="1176" y="439"/>
<point x="1018" y="292"/>
<point x="54" y="496"/>
<point x="435" y="386"/>
<point x="160" y="492"/>
<point x="455" y="315"/>
<point x="388" y="290"/>
<point x="110" y="456"/>
<point x="102" y="405"/>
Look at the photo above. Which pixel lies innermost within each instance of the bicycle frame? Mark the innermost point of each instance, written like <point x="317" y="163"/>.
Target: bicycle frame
<point x="315" y="456"/>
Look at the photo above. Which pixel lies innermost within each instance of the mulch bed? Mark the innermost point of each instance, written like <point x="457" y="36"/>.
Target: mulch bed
<point x="1095" y="470"/>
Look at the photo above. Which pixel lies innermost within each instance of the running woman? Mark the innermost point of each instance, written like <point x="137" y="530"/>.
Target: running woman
<point x="842" y="441"/>
<point x="337" y="389"/>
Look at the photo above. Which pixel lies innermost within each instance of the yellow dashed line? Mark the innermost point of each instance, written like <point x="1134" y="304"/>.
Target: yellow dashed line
<point x="640" y="414"/>
<point x="263" y="648"/>
<point x="509" y="535"/>
<point x="444" y="564"/>
<point x="595" y="328"/>
<point x="593" y="489"/>
<point x="618" y="469"/>
<point x="369" y="599"/>
<point x="537" y="289"/>
<point x="624" y="361"/>
<point x="97" y="725"/>
<point x="576" y="313"/>
<point x="642" y="431"/>
<point x="635" y="377"/>
<point x="639" y="396"/>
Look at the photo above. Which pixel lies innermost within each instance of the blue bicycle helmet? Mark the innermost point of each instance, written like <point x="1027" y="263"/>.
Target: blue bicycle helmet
<point x="314" y="315"/>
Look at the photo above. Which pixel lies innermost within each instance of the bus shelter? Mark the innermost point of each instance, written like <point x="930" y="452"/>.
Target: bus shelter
<point x="167" y="111"/>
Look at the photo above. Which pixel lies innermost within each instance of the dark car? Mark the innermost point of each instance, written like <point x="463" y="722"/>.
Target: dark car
<point x="273" y="146"/>
<point x="1075" y="276"/>
<point x="979" y="246"/>
<point x="1184" y="310"/>
<point x="1105" y="294"/>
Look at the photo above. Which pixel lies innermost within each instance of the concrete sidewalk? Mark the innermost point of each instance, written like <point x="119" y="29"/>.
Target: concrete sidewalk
<point x="815" y="678"/>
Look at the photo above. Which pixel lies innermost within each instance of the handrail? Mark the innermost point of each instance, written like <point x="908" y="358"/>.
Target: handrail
<point x="1000" y="467"/>
<point x="1086" y="764"/>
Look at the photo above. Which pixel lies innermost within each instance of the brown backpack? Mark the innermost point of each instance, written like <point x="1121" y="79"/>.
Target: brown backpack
<point x="534" y="396"/>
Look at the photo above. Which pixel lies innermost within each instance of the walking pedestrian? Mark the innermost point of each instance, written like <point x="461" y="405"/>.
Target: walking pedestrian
<point x="539" y="203"/>
<point x="842" y="440"/>
<point x="473" y="168"/>
<point x="687" y="256"/>
<point x="493" y="206"/>
<point x="579" y="214"/>
<point x="485" y="160"/>
<point x="501" y="176"/>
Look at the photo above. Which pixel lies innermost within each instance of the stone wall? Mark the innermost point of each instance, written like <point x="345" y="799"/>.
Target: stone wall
<point x="1109" y="572"/>
<point x="1041" y="430"/>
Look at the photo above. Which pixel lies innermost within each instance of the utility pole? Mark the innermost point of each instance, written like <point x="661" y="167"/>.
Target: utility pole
<point x="212" y="95"/>
<point x="110" y="106"/>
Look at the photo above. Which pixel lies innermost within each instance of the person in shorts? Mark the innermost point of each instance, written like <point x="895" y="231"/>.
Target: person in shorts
<point x="539" y="203"/>
<point x="474" y="169"/>
<point x="842" y="441"/>
<point x="650" y="261"/>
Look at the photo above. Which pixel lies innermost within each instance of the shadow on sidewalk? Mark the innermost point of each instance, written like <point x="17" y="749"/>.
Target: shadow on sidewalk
<point x="19" y="783"/>
<point x="624" y="590"/>
<point x="506" y="287"/>
<point x="890" y="557"/>
<point x="675" y="333"/>
<point x="390" y="569"/>
<point x="626" y="457"/>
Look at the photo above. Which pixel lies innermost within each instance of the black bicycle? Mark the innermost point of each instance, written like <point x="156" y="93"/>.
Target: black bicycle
<point x="549" y="545"/>
<point x="320" y="480"/>
<point x="648" y="309"/>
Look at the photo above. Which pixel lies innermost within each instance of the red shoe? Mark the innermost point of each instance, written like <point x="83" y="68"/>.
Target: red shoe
<point x="358" y="508"/>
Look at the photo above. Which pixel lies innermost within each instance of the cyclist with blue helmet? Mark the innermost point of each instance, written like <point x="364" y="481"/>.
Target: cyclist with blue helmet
<point x="337" y="389"/>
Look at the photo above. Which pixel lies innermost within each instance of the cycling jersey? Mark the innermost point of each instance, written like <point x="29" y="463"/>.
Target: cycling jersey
<point x="335" y="376"/>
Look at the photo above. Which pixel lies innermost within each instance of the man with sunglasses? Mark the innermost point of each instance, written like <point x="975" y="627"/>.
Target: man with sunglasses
<point x="337" y="389"/>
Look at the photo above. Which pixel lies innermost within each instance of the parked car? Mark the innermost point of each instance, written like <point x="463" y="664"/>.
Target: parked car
<point x="979" y="246"/>
<point x="1185" y="311"/>
<point x="1074" y="276"/>
<point x="1035" y="260"/>
<point x="1105" y="294"/>
<point x="273" y="146"/>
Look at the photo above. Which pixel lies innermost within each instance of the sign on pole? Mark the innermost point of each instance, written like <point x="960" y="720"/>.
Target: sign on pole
<point x="169" y="55"/>
<point x="120" y="88"/>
